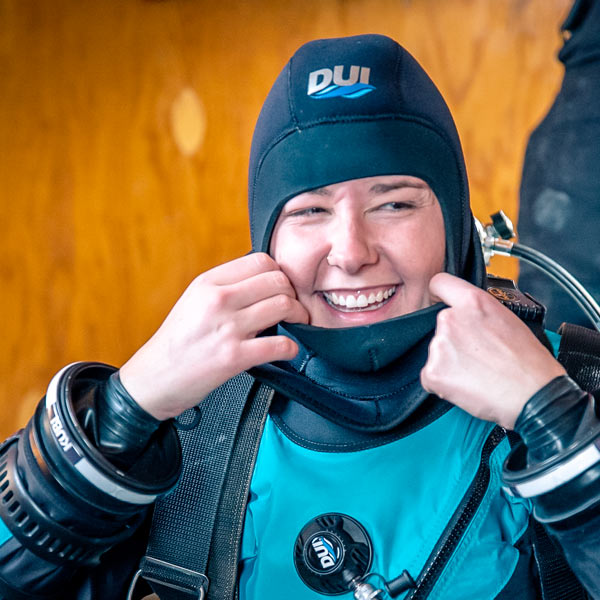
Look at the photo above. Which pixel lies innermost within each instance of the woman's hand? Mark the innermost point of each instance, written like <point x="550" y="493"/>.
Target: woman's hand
<point x="210" y="335"/>
<point x="483" y="358"/>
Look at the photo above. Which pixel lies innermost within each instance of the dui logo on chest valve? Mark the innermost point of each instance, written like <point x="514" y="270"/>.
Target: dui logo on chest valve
<point x="324" y="552"/>
<point x="332" y="550"/>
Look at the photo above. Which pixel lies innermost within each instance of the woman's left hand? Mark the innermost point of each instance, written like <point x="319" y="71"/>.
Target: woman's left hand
<point x="483" y="358"/>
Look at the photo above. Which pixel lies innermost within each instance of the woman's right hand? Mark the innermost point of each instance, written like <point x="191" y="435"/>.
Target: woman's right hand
<point x="210" y="335"/>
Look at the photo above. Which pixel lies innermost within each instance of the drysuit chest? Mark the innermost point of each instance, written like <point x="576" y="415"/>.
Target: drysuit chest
<point x="406" y="494"/>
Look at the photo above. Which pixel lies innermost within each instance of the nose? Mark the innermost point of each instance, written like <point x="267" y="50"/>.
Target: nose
<point x="351" y="245"/>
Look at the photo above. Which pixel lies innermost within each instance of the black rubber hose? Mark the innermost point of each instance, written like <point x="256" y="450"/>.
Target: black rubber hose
<point x="563" y="278"/>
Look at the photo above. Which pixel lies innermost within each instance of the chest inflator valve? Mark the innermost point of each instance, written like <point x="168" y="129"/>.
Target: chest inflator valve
<point x="333" y="554"/>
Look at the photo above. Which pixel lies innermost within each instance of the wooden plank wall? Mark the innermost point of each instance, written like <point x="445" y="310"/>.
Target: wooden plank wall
<point x="124" y="134"/>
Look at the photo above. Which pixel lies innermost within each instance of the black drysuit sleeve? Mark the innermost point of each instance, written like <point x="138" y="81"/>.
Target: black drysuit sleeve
<point x="77" y="486"/>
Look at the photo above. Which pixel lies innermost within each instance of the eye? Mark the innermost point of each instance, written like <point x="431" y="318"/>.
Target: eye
<point x="396" y="206"/>
<point x="306" y="212"/>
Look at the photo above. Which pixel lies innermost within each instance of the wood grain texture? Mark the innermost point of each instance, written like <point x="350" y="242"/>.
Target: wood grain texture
<point x="111" y="207"/>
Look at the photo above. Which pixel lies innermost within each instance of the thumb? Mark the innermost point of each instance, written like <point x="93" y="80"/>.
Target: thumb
<point x="450" y="289"/>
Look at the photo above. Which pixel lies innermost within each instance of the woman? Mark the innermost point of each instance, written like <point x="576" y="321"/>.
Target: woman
<point x="363" y="240"/>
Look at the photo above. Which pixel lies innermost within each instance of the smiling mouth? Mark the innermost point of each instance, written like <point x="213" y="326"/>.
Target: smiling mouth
<point x="358" y="301"/>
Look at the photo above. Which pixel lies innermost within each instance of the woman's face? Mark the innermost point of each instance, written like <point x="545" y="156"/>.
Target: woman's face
<point x="363" y="250"/>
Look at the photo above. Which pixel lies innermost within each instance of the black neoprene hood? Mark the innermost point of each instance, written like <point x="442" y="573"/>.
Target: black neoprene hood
<point x="354" y="107"/>
<point x="349" y="108"/>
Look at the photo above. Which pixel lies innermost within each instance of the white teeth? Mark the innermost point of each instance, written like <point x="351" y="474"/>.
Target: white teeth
<point x="362" y="301"/>
<point x="351" y="301"/>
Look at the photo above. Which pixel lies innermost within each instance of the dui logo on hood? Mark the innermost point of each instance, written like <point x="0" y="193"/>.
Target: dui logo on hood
<point x="339" y="81"/>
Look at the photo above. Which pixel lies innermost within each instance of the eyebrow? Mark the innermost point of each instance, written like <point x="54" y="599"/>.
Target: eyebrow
<point x="322" y="191"/>
<point x="376" y="189"/>
<point x="382" y="188"/>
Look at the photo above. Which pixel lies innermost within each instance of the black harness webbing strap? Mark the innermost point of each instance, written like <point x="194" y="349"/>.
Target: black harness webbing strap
<point x="183" y="522"/>
<point x="557" y="580"/>
<point x="223" y="561"/>
<point x="579" y="353"/>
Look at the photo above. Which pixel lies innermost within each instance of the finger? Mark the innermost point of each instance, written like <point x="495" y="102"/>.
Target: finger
<point x="424" y="381"/>
<point x="430" y="387"/>
<point x="261" y="286"/>
<point x="241" y="268"/>
<point x="268" y="349"/>
<point x="452" y="290"/>
<point x="429" y="381"/>
<point x="269" y="312"/>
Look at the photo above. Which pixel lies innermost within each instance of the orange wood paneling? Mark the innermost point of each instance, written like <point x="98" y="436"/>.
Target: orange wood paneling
<point x="124" y="135"/>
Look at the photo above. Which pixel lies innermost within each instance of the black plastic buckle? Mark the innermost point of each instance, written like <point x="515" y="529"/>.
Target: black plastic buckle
<point x="172" y="582"/>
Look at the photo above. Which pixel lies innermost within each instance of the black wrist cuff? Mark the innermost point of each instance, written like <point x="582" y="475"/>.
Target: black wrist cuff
<point x="549" y="421"/>
<point x="124" y="427"/>
<point x="558" y="463"/>
<point x="68" y="422"/>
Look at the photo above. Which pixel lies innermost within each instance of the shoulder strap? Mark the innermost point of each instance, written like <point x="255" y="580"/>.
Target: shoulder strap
<point x="223" y="562"/>
<point x="557" y="580"/>
<point x="579" y="353"/>
<point x="183" y="523"/>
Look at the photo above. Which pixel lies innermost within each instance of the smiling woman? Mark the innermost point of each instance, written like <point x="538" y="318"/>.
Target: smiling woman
<point x="125" y="135"/>
<point x="361" y="251"/>
<point x="331" y="392"/>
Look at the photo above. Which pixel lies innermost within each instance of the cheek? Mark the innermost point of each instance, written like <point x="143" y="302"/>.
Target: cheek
<point x="297" y="260"/>
<point x="422" y="254"/>
<point x="433" y="243"/>
<point x="434" y="255"/>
